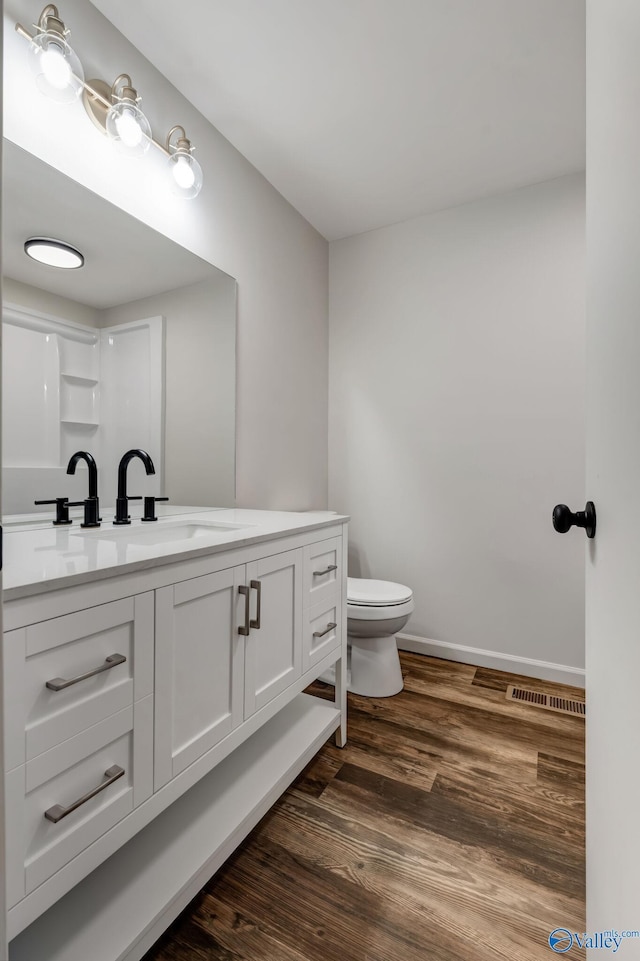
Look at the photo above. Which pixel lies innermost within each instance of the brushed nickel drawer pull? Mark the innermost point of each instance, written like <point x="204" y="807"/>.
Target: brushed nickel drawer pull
<point x="329" y="627"/>
<point x="257" y="586"/>
<point x="244" y="629"/>
<point x="59" y="683"/>
<point x="58" y="812"/>
<point x="327" y="570"/>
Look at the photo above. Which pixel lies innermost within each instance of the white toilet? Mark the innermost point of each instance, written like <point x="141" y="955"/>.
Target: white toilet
<point x="376" y="612"/>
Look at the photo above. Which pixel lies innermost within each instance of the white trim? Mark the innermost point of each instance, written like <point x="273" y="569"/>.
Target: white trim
<point x="545" y="670"/>
<point x="48" y="323"/>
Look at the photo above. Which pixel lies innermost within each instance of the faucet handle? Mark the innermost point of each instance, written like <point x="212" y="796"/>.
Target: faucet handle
<point x="91" y="510"/>
<point x="150" y="507"/>
<point x="62" y="510"/>
<point x="122" y="508"/>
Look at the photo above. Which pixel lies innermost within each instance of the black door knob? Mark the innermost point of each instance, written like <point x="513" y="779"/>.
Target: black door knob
<point x="563" y="519"/>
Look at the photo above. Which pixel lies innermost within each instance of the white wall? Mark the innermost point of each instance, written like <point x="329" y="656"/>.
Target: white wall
<point x="239" y="223"/>
<point x="456" y="417"/>
<point x="200" y="395"/>
<point x="25" y="295"/>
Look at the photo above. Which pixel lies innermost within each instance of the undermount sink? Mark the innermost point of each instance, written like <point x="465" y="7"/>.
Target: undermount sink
<point x="159" y="533"/>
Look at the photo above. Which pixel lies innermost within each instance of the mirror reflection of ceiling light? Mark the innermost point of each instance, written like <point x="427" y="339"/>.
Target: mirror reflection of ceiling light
<point x="53" y="253"/>
<point x="114" y="109"/>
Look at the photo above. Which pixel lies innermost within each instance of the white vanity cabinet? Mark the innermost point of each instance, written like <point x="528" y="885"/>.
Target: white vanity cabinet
<point x="150" y="721"/>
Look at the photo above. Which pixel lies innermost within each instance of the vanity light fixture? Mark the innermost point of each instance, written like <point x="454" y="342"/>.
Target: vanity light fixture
<point x="53" y="62"/>
<point x="53" y="253"/>
<point x="186" y="172"/>
<point x="114" y="109"/>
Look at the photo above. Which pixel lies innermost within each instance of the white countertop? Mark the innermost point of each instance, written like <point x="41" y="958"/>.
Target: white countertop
<point x="38" y="559"/>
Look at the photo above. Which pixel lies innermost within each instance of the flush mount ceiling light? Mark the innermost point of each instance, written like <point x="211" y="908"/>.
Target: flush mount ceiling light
<point x="53" y="253"/>
<point x="114" y="109"/>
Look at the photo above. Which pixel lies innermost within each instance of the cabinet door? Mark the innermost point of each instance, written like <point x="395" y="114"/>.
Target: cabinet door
<point x="199" y="668"/>
<point x="273" y="655"/>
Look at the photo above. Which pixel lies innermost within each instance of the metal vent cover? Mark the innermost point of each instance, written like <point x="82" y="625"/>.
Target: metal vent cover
<point x="549" y="702"/>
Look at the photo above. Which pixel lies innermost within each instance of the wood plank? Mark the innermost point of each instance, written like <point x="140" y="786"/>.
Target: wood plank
<point x="557" y="866"/>
<point x="451" y="827"/>
<point x="561" y="776"/>
<point x="403" y="861"/>
<point x="315" y="777"/>
<point x="446" y="746"/>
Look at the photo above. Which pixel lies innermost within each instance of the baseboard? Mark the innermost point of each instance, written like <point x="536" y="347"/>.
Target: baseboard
<point x="545" y="670"/>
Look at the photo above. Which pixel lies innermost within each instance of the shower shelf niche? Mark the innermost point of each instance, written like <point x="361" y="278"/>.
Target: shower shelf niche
<point x="77" y="387"/>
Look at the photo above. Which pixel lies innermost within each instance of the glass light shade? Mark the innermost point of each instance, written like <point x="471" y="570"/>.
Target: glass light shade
<point x="185" y="175"/>
<point x="128" y="128"/>
<point x="56" y="67"/>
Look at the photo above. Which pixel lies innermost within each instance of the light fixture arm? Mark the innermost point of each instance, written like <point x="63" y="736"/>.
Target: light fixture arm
<point x="51" y="12"/>
<point x="127" y="91"/>
<point x="182" y="144"/>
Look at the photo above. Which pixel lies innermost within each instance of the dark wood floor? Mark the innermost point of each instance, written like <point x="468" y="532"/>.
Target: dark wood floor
<point x="451" y="828"/>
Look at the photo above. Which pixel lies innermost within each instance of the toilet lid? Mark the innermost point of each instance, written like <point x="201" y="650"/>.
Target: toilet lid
<point x="376" y="593"/>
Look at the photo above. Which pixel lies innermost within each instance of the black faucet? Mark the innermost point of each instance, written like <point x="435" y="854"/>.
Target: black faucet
<point x="91" y="503"/>
<point x="122" y="500"/>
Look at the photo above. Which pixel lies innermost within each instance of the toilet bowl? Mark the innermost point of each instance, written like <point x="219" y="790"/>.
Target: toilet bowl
<point x="376" y="612"/>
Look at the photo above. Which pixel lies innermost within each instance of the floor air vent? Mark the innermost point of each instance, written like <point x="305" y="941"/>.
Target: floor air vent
<point x="549" y="702"/>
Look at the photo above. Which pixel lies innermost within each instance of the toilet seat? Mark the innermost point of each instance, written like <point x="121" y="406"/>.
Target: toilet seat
<point x="369" y="600"/>
<point x="369" y="593"/>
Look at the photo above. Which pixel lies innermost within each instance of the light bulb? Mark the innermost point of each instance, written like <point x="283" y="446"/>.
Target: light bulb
<point x="56" y="67"/>
<point x="183" y="173"/>
<point x="186" y="175"/>
<point x="128" y="128"/>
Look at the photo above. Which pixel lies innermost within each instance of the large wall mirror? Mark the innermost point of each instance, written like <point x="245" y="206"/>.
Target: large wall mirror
<point x="137" y="348"/>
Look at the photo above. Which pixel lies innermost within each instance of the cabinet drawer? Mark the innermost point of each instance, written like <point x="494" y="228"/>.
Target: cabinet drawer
<point x="322" y="571"/>
<point x="322" y="631"/>
<point x="57" y="780"/>
<point x="69" y="678"/>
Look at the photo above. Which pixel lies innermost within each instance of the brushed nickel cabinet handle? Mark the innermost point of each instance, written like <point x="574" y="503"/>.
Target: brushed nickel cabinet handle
<point x="327" y="570"/>
<point x="329" y="627"/>
<point x="58" y="812"/>
<point x="244" y="629"/>
<point x="59" y="683"/>
<point x="257" y="587"/>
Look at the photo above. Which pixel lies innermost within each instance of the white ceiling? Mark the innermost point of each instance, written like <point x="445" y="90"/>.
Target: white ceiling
<point x="368" y="112"/>
<point x="39" y="201"/>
